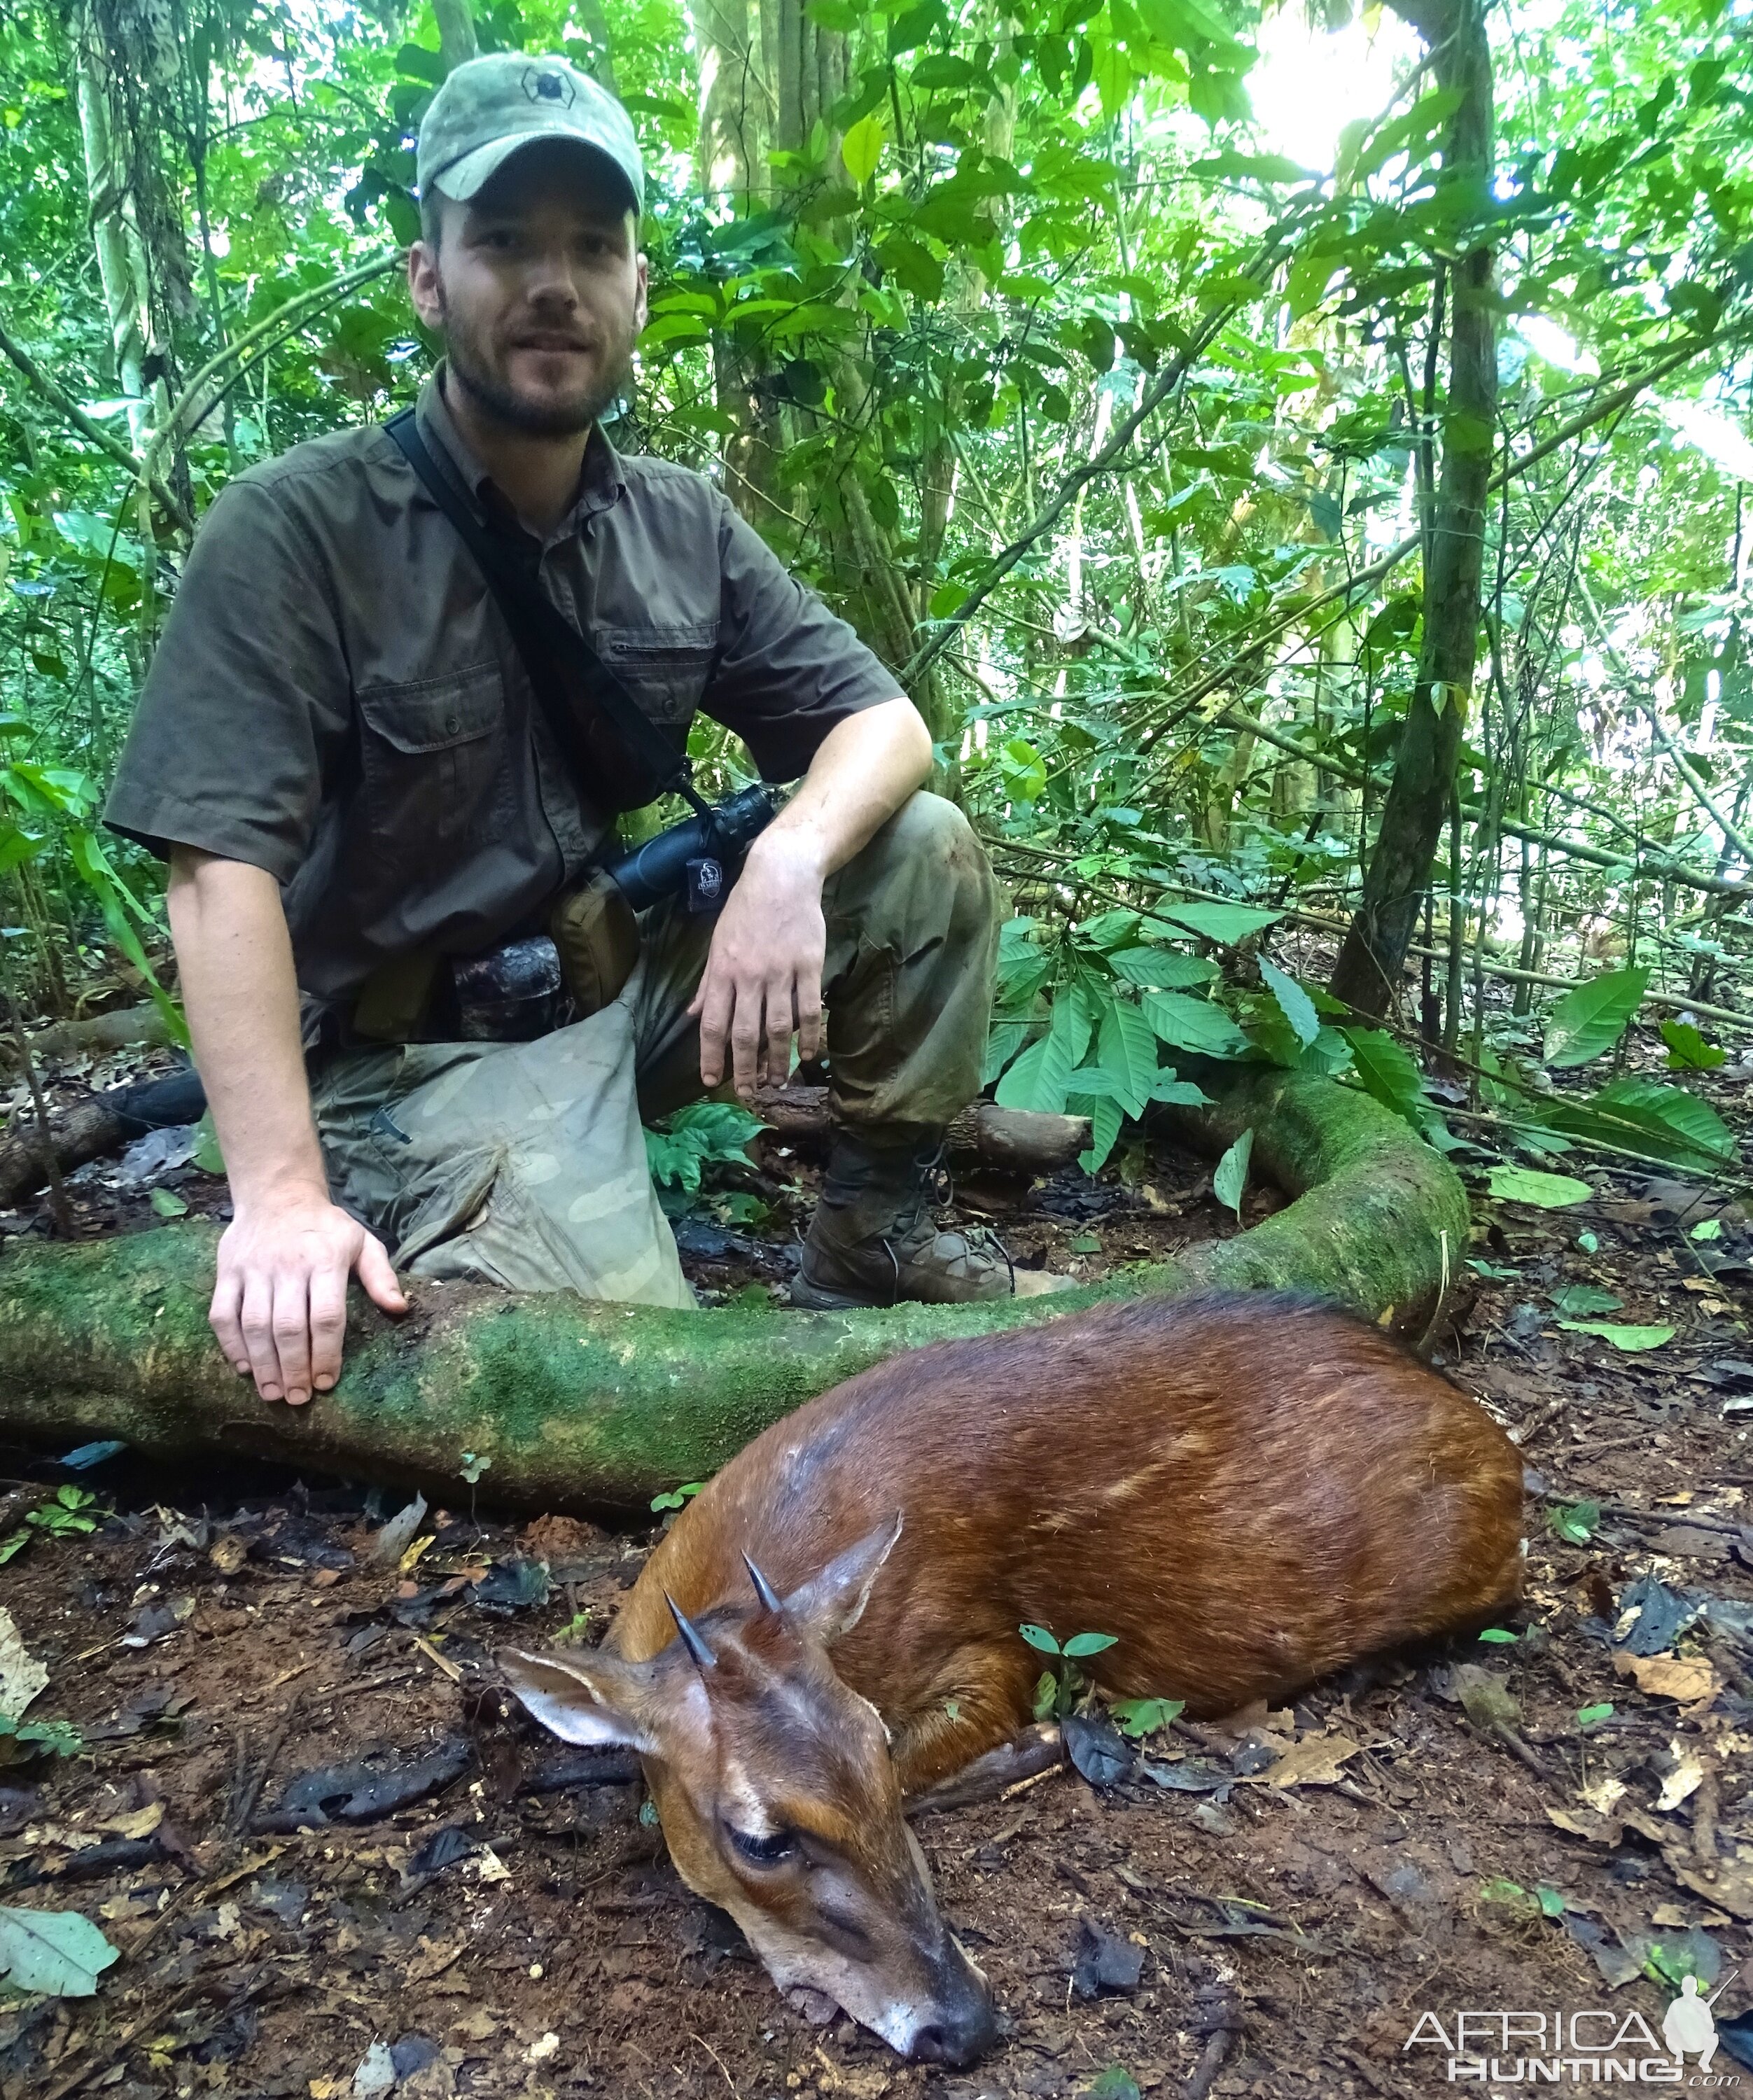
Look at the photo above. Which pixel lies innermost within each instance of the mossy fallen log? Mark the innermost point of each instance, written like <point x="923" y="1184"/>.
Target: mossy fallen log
<point x="580" y="1406"/>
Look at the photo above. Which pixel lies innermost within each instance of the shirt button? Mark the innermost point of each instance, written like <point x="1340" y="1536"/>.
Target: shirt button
<point x="452" y="724"/>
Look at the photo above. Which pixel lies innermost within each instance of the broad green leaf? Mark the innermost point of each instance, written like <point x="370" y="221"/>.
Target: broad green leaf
<point x="1143" y="1717"/>
<point x="1294" y="1003"/>
<point x="1179" y="1093"/>
<point x="1186" y="1023"/>
<point x="1126" y="1047"/>
<point x="1586" y="1023"/>
<point x="1082" y="1644"/>
<point x="1387" y="1072"/>
<point x="1162" y="969"/>
<point x="57" y="1953"/>
<point x="1687" y="1049"/>
<point x="1230" y="1176"/>
<point x="1225" y="924"/>
<point x="1004" y="1040"/>
<point x="1547" y="1192"/>
<point x="1107" y="930"/>
<point x="1574" y="1522"/>
<point x="1578" y="1299"/>
<point x="1707" y="1229"/>
<point x="1038" y="1637"/>
<point x="1105" y="1121"/>
<point x="168" y="1204"/>
<point x="861" y="149"/>
<point x="1648" y="1116"/>
<point x="1631" y="1338"/>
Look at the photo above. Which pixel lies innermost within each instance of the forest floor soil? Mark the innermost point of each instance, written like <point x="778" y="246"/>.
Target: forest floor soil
<point x="1547" y="1825"/>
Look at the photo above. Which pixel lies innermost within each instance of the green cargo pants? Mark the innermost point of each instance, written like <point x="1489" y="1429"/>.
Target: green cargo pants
<point x="523" y="1164"/>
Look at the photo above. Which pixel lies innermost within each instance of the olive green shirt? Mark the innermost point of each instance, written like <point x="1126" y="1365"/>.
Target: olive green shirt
<point x="338" y="699"/>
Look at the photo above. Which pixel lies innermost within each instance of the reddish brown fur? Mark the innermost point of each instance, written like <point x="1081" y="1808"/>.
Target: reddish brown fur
<point x="1246" y="1491"/>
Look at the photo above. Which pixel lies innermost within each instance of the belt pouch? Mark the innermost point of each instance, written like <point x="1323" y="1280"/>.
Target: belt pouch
<point x="598" y="937"/>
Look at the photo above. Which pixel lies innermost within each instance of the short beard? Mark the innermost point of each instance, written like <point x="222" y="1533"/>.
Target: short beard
<point x="495" y="397"/>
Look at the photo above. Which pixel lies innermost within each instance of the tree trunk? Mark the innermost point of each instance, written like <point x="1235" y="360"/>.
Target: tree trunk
<point x="455" y="28"/>
<point x="580" y="1406"/>
<point x="1367" y="973"/>
<point x="125" y="61"/>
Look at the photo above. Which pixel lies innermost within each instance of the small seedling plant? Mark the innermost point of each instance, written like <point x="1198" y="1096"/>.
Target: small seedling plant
<point x="1063" y="1686"/>
<point x="66" y="1515"/>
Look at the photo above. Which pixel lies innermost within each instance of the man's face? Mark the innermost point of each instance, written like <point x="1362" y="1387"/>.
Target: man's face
<point x="539" y="290"/>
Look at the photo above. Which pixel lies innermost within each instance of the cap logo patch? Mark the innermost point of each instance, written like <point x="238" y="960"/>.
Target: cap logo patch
<point x="541" y="83"/>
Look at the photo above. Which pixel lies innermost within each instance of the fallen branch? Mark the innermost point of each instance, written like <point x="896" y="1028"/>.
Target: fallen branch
<point x="581" y="1405"/>
<point x="1013" y="1140"/>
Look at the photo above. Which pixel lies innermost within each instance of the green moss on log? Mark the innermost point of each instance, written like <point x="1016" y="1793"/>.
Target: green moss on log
<point x="592" y="1406"/>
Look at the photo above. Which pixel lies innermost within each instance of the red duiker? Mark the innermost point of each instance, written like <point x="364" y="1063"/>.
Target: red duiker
<point x="1246" y="1491"/>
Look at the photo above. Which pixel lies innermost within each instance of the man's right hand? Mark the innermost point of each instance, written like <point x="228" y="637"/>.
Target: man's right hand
<point x="280" y="1305"/>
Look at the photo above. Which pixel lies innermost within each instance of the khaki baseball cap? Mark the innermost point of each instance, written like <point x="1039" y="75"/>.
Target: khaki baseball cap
<point x="489" y="108"/>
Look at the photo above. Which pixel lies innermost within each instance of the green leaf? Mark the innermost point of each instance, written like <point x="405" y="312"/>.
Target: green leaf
<point x="1629" y="1338"/>
<point x="1294" y="1003"/>
<point x="1113" y="2082"/>
<point x="1082" y="1644"/>
<point x="1225" y="924"/>
<point x="1707" y="1229"/>
<point x="1039" y="1638"/>
<point x="1591" y="1717"/>
<point x="167" y="1203"/>
<point x="1126" y="1048"/>
<point x="1387" y="1072"/>
<point x="207" y="1155"/>
<point x="1687" y="1049"/>
<point x="861" y="149"/>
<point x="1144" y="1717"/>
<point x="1578" y="1299"/>
<point x="1104" y="1122"/>
<point x="1586" y="1023"/>
<point x="1162" y="969"/>
<point x="1551" y="1902"/>
<point x="57" y="1953"/>
<point x="1574" y="1522"/>
<point x="1186" y="1023"/>
<point x="676" y="1497"/>
<point x="474" y="1464"/>
<point x="1046" y="1696"/>
<point x="1230" y="1176"/>
<point x="1547" y="1191"/>
<point x="1648" y="1116"/>
<point x="1500" y="1636"/>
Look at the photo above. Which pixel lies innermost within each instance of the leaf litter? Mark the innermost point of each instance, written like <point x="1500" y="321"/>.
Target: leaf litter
<point x="321" y="1844"/>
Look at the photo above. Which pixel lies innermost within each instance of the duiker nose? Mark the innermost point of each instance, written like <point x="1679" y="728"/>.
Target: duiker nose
<point x="965" y="2027"/>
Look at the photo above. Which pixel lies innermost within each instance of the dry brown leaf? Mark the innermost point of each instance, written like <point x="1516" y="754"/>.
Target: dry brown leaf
<point x="22" y="1677"/>
<point x="1685" y="1781"/>
<point x="228" y="1553"/>
<point x="1687" y="1679"/>
<point x="1603" y="1794"/>
<point x="1315" y="1760"/>
<point x="135" y="1822"/>
<point x="1585" y="1822"/>
<point x="1732" y="1890"/>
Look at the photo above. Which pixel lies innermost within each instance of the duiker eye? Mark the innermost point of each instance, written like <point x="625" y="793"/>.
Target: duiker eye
<point x="761" y="1849"/>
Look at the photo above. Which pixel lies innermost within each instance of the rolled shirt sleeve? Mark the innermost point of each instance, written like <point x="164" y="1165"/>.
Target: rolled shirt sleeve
<point x="787" y="669"/>
<point x="247" y="702"/>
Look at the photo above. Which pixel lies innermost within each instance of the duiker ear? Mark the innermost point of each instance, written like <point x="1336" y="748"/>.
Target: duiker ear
<point x="593" y="1702"/>
<point x="832" y="1603"/>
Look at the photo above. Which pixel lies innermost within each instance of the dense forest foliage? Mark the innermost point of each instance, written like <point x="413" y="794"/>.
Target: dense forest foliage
<point x="1296" y="462"/>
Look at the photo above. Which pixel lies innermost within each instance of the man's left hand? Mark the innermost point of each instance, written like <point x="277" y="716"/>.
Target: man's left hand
<point x="763" y="978"/>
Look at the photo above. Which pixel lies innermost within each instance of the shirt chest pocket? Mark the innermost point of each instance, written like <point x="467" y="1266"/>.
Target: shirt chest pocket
<point x="432" y="756"/>
<point x="666" y="669"/>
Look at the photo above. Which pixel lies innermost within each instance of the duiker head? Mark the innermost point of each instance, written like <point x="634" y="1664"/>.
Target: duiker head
<point x="779" y="1801"/>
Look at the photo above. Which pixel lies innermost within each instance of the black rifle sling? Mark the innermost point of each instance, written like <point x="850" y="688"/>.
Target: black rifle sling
<point x="546" y="640"/>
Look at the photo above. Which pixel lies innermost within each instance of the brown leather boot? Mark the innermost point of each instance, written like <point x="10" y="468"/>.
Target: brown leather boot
<point x="873" y="1239"/>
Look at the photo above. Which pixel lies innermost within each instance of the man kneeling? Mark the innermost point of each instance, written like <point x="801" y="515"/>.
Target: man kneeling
<point x="365" y="799"/>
